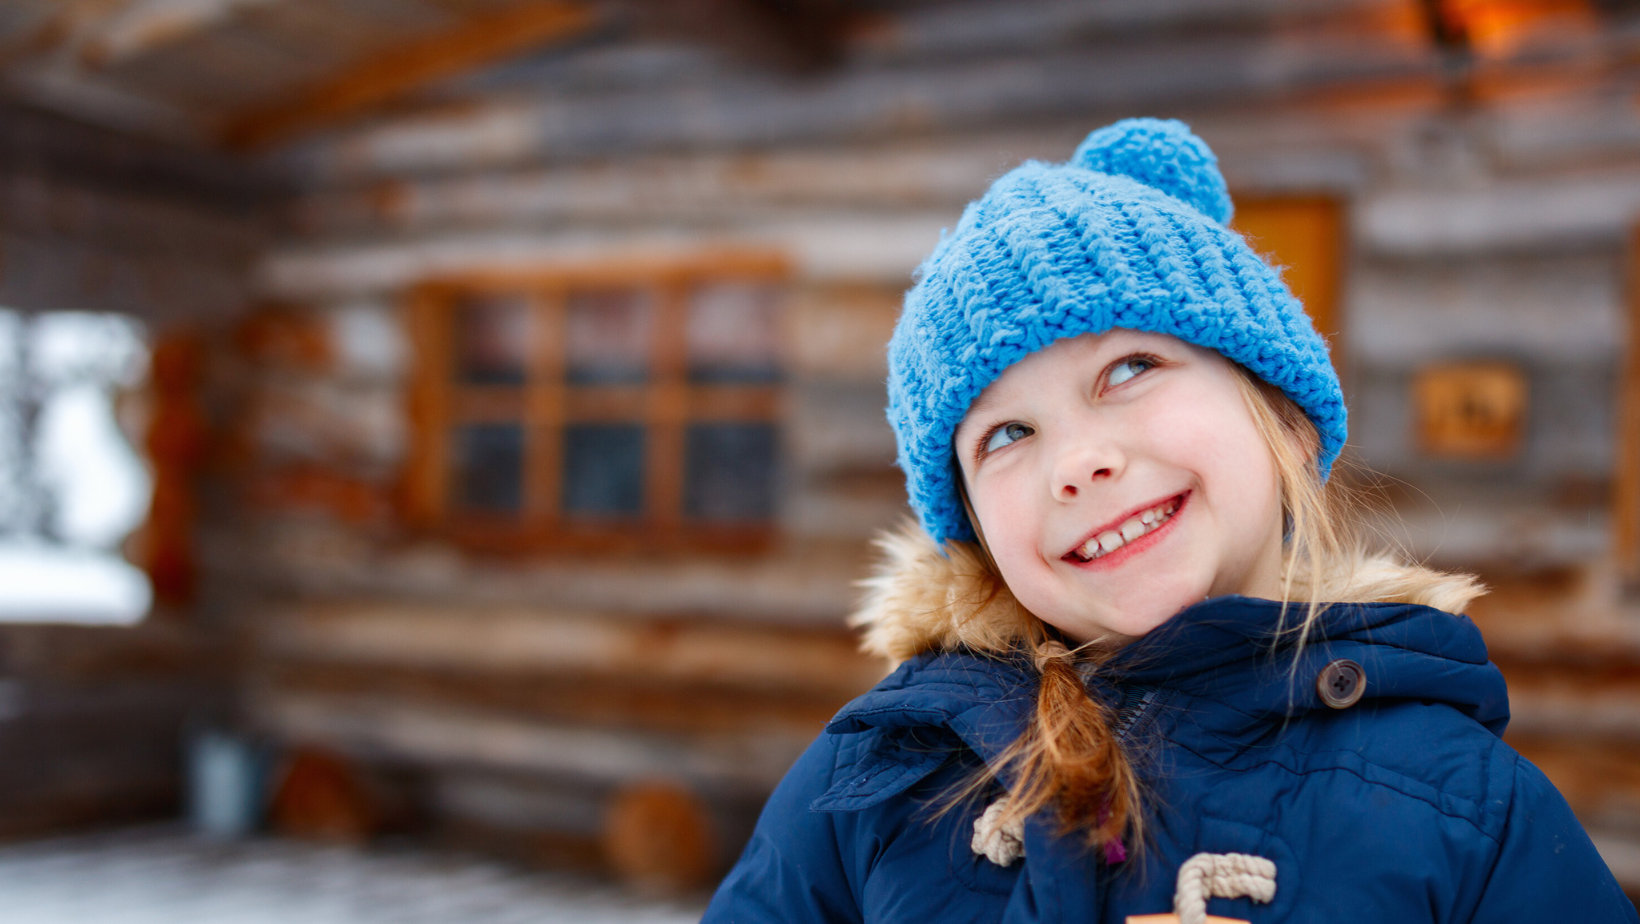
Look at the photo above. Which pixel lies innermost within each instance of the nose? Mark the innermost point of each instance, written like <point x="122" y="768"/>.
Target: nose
<point x="1082" y="464"/>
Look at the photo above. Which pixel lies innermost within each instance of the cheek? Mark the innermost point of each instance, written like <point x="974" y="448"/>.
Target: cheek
<point x="1012" y="530"/>
<point x="1000" y="503"/>
<point x="1213" y="436"/>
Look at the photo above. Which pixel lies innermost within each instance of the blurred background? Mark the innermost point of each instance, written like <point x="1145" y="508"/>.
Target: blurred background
<point x="438" y="437"/>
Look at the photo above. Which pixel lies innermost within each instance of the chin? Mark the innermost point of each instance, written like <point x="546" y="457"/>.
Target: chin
<point x="1137" y="617"/>
<point x="1135" y="625"/>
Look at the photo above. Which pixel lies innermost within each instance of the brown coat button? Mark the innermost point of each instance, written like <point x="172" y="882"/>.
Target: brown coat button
<point x="1341" y="683"/>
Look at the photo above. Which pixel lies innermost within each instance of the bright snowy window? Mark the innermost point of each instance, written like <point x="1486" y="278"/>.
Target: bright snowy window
<point x="71" y="485"/>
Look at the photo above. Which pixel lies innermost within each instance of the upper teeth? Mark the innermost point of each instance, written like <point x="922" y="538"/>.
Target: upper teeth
<point x="1132" y="528"/>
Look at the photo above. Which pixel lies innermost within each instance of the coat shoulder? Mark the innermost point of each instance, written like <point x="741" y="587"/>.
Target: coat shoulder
<point x="1409" y="756"/>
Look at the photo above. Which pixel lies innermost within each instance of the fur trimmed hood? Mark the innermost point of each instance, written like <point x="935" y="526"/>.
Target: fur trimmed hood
<point x="920" y="598"/>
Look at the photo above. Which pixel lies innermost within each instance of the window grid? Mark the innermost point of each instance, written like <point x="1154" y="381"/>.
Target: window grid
<point x="665" y="404"/>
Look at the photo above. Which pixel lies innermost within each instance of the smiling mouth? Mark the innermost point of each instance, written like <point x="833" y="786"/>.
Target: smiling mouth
<point x="1130" y="530"/>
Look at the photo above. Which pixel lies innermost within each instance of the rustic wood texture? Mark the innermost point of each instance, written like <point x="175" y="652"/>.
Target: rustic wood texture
<point x="597" y="699"/>
<point x="1470" y="410"/>
<point x="319" y="796"/>
<point x="177" y="443"/>
<point x="512" y="638"/>
<point x="92" y="721"/>
<point x="1305" y="236"/>
<point x="485" y="39"/>
<point x="660" y="837"/>
<point x="1626" y="475"/>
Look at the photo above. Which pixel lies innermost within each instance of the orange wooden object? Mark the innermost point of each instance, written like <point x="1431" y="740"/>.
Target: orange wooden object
<point x="352" y="500"/>
<point x="178" y="438"/>
<point x="321" y="797"/>
<point x="659" y="837"/>
<point x="284" y="337"/>
<point x="1471" y="410"/>
<point x="1304" y="235"/>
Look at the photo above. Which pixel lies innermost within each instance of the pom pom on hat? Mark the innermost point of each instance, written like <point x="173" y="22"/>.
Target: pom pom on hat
<point x="1164" y="155"/>
<point x="1131" y="234"/>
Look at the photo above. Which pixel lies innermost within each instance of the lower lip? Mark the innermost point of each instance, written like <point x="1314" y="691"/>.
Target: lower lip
<point x="1138" y="546"/>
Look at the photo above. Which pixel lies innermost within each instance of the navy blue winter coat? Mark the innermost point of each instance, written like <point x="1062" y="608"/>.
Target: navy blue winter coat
<point x="1404" y="807"/>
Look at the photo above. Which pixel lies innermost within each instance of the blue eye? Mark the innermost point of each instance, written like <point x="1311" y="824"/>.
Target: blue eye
<point x="1128" y="369"/>
<point x="1005" y="434"/>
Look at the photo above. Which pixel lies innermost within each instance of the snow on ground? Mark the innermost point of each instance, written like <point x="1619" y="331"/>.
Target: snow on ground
<point x="165" y="875"/>
<point x="53" y="583"/>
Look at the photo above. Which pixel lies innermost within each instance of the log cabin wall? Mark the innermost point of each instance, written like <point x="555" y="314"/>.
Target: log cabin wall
<point x="1480" y="197"/>
<point x="1452" y="183"/>
<point x="94" y="718"/>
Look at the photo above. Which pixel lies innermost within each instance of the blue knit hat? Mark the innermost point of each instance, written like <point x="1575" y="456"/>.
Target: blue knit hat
<point x="1130" y="233"/>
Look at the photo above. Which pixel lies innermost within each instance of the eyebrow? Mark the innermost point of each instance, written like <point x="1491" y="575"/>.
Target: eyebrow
<point x="980" y="405"/>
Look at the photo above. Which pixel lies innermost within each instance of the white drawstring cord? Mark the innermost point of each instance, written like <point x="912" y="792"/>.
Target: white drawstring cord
<point x="1221" y="875"/>
<point x="999" y="843"/>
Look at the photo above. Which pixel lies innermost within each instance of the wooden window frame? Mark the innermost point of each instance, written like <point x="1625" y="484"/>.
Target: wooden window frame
<point x="1313" y="254"/>
<point x="667" y="403"/>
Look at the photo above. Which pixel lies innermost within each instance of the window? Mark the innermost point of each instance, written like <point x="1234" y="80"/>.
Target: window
<point x="616" y="407"/>
<point x="71" y="485"/>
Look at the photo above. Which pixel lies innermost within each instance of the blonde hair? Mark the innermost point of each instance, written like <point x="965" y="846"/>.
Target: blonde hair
<point x="1069" y="757"/>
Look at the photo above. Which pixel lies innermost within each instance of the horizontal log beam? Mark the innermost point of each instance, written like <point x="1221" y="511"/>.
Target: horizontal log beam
<point x="840" y="247"/>
<point x="630" y="703"/>
<point x="380" y="728"/>
<point x="824" y="663"/>
<point x="388" y="75"/>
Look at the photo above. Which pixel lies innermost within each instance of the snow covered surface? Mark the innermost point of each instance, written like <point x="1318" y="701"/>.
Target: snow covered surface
<point x="164" y="875"/>
<point x="51" y="583"/>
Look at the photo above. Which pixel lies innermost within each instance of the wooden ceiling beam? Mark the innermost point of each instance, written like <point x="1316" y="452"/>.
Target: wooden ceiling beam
<point x="388" y="75"/>
<point x="59" y="29"/>
<point x="147" y="26"/>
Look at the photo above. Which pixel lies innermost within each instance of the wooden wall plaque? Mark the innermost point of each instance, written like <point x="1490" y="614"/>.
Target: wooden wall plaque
<point x="1470" y="410"/>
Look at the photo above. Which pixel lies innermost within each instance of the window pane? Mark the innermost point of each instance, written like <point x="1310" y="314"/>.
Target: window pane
<point x="603" y="470"/>
<point x="730" y="471"/>
<point x="733" y="333"/>
<point x="493" y="337"/>
<point x="489" y="467"/>
<point x="609" y="336"/>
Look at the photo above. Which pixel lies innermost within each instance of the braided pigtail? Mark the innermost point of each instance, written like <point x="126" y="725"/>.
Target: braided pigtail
<point x="1069" y="759"/>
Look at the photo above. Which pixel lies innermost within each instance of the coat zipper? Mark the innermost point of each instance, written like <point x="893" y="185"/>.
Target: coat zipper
<point x="1138" y="700"/>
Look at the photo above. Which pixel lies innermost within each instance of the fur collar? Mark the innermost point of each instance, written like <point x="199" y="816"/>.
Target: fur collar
<point x="920" y="598"/>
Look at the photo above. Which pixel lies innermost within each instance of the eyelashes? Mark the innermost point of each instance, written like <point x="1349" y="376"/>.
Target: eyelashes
<point x="1005" y="433"/>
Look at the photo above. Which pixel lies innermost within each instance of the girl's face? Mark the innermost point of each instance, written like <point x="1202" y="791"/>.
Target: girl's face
<point x="1119" y="478"/>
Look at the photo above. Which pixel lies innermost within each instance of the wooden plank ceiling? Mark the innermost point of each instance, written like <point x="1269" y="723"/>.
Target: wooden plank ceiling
<point x="248" y="74"/>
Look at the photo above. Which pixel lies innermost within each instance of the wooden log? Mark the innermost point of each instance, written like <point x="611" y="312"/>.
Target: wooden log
<point x="382" y="728"/>
<point x="822" y="662"/>
<point x="1116" y="74"/>
<point x="680" y="187"/>
<point x="629" y="702"/>
<point x="1583" y="209"/>
<point x="1626" y="476"/>
<point x="178" y="438"/>
<point x="827" y="246"/>
<point x="320" y="796"/>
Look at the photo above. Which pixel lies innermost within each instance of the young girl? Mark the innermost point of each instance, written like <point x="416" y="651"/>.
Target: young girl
<point x="1143" y="667"/>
